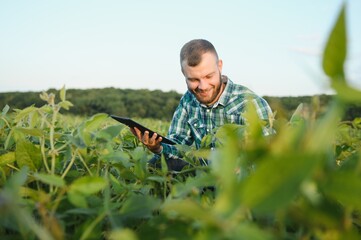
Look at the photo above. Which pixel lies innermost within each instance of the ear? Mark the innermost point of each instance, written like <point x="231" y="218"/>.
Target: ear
<point x="220" y="65"/>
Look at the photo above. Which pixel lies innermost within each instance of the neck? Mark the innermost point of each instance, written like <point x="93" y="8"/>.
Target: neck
<point x="219" y="94"/>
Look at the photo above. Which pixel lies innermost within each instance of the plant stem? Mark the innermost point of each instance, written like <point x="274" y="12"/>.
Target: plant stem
<point x="58" y="200"/>
<point x="70" y="164"/>
<point x="51" y="138"/>
<point x="6" y="122"/>
<point x="63" y="146"/>
<point x="92" y="225"/>
<point x="13" y="167"/>
<point x="82" y="160"/>
<point x="42" y="148"/>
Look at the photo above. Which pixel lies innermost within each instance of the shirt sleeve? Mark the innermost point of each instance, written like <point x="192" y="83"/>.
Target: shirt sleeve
<point x="265" y="113"/>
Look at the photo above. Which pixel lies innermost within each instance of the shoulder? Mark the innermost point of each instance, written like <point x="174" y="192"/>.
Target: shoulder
<point x="238" y="89"/>
<point x="240" y="92"/>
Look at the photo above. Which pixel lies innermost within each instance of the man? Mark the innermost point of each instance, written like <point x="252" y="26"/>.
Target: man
<point x="212" y="100"/>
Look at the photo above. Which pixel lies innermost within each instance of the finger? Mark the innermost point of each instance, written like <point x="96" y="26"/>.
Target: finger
<point x="146" y="137"/>
<point x="159" y="140"/>
<point x="138" y="133"/>
<point x="156" y="143"/>
<point x="154" y="137"/>
<point x="133" y="131"/>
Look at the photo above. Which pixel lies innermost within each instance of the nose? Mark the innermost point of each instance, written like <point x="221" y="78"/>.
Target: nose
<point x="202" y="84"/>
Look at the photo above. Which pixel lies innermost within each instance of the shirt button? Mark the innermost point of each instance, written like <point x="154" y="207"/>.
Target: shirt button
<point x="195" y="125"/>
<point x="207" y="130"/>
<point x="208" y="110"/>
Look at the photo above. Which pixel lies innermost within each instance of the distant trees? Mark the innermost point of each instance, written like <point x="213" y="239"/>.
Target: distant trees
<point x="285" y="106"/>
<point x="124" y="102"/>
<point x="155" y="104"/>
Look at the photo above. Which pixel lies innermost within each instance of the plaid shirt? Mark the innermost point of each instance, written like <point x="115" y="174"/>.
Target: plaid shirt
<point x="193" y="120"/>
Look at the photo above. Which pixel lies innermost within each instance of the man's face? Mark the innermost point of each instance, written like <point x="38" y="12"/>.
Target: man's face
<point x="204" y="80"/>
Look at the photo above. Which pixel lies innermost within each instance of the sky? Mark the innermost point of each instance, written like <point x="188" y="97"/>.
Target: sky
<point x="273" y="47"/>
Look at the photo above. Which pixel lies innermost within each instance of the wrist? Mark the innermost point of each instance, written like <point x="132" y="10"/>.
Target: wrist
<point x="159" y="150"/>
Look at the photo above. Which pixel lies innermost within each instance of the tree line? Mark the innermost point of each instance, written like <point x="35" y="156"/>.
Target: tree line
<point x="155" y="104"/>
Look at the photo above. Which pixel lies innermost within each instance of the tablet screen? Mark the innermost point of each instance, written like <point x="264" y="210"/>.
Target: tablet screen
<point x="131" y="123"/>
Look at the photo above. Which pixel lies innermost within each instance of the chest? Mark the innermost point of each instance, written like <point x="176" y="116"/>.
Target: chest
<point x="204" y="121"/>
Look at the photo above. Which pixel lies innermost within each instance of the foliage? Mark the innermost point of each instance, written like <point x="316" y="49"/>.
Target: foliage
<point x="90" y="180"/>
<point x="124" y="102"/>
<point x="145" y="103"/>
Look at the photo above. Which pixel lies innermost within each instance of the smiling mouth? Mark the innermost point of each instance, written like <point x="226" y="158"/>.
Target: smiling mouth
<point x="203" y="94"/>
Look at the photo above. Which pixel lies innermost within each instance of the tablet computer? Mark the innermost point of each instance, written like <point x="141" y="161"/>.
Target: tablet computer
<point x="131" y="123"/>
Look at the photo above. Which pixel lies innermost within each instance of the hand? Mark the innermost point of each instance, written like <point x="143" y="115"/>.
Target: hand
<point x="153" y="143"/>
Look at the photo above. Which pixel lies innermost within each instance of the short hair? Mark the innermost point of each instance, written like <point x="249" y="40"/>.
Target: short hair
<point x="193" y="50"/>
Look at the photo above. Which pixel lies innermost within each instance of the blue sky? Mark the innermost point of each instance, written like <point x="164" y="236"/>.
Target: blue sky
<point x="273" y="47"/>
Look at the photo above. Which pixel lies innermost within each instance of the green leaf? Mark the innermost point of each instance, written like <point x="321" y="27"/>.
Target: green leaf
<point x="95" y="121"/>
<point x="207" y="141"/>
<point x="88" y="128"/>
<point x="62" y="93"/>
<point x="202" y="153"/>
<point x="24" y="112"/>
<point x="253" y="121"/>
<point x="3" y="176"/>
<point x="345" y="188"/>
<point x="251" y="231"/>
<point x="77" y="199"/>
<point x="297" y="115"/>
<point x="193" y="185"/>
<point x="230" y="132"/>
<point x="50" y="179"/>
<point x="346" y="93"/>
<point x="27" y="154"/>
<point x="163" y="164"/>
<point x="357" y="122"/>
<point x="124" y="233"/>
<point x="7" y="158"/>
<point x="140" y="206"/>
<point x="117" y="157"/>
<point x="88" y="185"/>
<point x="44" y="96"/>
<point x="34" y="119"/>
<point x="9" y="140"/>
<point x="110" y="132"/>
<point x="190" y="209"/>
<point x="65" y="104"/>
<point x="27" y="192"/>
<point x="277" y="180"/>
<point x="140" y="162"/>
<point x="30" y="131"/>
<point x="335" y="52"/>
<point x="18" y="179"/>
<point x="225" y="161"/>
<point x="116" y="185"/>
<point x="158" y="179"/>
<point x="5" y="110"/>
<point x="324" y="132"/>
<point x="138" y="154"/>
<point x="334" y="58"/>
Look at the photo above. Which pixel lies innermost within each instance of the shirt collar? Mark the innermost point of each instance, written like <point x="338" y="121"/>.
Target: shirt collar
<point x="226" y="94"/>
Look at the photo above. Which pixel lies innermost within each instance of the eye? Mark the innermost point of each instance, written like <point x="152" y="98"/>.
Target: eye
<point x="192" y="80"/>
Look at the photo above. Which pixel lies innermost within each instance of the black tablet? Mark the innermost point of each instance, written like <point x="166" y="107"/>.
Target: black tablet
<point x="131" y="123"/>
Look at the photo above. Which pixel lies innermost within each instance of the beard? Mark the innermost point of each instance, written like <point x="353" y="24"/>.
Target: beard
<point x="210" y="95"/>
